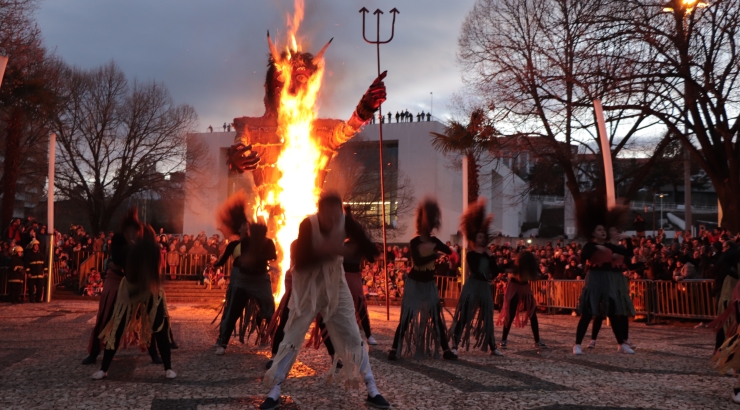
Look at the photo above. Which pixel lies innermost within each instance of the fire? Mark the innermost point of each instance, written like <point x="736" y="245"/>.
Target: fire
<point x="300" y="160"/>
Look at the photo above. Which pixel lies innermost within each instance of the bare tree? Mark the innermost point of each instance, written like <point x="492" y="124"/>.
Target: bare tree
<point x="117" y="140"/>
<point x="687" y="67"/>
<point x="27" y="101"/>
<point x="542" y="63"/>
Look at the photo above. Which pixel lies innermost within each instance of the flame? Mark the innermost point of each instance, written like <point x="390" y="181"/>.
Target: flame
<point x="300" y="161"/>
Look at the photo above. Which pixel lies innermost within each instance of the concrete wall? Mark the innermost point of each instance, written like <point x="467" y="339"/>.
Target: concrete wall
<point x="429" y="171"/>
<point x="199" y="213"/>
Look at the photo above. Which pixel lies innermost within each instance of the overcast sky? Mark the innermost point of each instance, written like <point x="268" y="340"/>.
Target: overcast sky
<point x="212" y="54"/>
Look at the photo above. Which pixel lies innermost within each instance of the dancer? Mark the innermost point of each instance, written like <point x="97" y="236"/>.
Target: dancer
<point x="725" y="274"/>
<point x="620" y="263"/>
<point x="140" y="306"/>
<point x="131" y="231"/>
<point x="353" y="275"/>
<point x="250" y="286"/>
<point x="727" y="356"/>
<point x="474" y="312"/>
<point x="421" y="322"/>
<point x="319" y="286"/>
<point x="602" y="294"/>
<point x="276" y="330"/>
<point x="518" y="299"/>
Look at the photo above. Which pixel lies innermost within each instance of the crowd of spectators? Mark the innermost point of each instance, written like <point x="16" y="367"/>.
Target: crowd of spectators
<point x="682" y="257"/>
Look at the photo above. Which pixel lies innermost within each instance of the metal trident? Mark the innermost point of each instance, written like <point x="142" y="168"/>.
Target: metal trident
<point x="377" y="43"/>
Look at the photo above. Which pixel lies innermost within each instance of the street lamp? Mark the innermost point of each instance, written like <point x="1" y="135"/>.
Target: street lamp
<point x="687" y="7"/>
<point x="661" y="208"/>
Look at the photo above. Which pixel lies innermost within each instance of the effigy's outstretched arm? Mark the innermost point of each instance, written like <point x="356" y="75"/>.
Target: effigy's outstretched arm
<point x="240" y="156"/>
<point x="369" y="103"/>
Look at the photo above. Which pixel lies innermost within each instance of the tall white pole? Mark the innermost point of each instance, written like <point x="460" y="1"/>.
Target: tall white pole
<point x="606" y="152"/>
<point x="50" y="213"/>
<point x="464" y="247"/>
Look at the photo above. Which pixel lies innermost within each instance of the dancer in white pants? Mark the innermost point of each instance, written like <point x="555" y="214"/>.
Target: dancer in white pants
<point x="319" y="286"/>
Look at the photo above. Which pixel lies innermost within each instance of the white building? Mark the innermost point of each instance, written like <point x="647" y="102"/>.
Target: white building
<point x="430" y="173"/>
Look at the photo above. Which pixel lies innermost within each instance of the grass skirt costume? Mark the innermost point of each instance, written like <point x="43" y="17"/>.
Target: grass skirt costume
<point x="727" y="356"/>
<point x="105" y="308"/>
<point x="136" y="313"/>
<point x="249" y="298"/>
<point x="422" y="326"/>
<point x="525" y="305"/>
<point x="474" y="313"/>
<point x="605" y="292"/>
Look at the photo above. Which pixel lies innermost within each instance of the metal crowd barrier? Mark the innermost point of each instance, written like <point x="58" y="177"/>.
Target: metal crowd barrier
<point x="448" y="287"/>
<point x="690" y="299"/>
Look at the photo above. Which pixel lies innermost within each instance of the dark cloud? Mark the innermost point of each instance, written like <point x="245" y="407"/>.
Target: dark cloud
<point x="212" y="54"/>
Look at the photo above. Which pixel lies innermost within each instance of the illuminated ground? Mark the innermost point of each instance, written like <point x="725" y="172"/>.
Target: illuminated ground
<point x="41" y="346"/>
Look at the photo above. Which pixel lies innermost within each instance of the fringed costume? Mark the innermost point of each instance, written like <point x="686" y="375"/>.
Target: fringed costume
<point x="604" y="293"/>
<point x="725" y="272"/>
<point x="520" y="305"/>
<point x="727" y="356"/>
<point x="276" y="328"/>
<point x="422" y="327"/>
<point x="140" y="309"/>
<point x="114" y="275"/>
<point x="249" y="295"/>
<point x="319" y="286"/>
<point x="474" y="312"/>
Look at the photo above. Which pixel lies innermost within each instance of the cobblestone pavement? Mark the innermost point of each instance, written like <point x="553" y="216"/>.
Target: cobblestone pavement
<point x="41" y="346"/>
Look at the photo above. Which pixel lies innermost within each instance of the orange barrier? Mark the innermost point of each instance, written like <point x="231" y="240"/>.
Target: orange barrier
<point x="690" y="299"/>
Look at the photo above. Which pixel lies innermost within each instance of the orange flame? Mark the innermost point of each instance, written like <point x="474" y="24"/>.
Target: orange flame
<point x="300" y="159"/>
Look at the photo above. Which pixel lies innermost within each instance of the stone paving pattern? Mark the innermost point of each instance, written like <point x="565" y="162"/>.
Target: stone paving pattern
<point x="41" y="346"/>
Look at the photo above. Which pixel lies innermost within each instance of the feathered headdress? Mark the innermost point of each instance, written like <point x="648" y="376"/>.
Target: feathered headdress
<point x="428" y="215"/>
<point x="232" y="214"/>
<point x="475" y="220"/>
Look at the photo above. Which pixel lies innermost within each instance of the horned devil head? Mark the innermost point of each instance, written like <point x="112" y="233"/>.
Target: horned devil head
<point x="302" y="67"/>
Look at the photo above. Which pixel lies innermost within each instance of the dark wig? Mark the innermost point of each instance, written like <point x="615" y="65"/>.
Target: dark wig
<point x="592" y="212"/>
<point x="329" y="198"/>
<point x="131" y="221"/>
<point x="231" y="216"/>
<point x="142" y="267"/>
<point x="428" y="216"/>
<point x="475" y="220"/>
<point x="526" y="265"/>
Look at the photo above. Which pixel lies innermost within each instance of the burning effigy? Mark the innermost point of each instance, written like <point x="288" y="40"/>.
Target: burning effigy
<point x="293" y="144"/>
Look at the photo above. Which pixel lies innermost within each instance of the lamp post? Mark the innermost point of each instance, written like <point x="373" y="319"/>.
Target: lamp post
<point x="682" y="9"/>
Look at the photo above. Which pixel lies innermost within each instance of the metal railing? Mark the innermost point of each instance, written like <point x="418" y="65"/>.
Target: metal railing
<point x="448" y="287"/>
<point x="690" y="299"/>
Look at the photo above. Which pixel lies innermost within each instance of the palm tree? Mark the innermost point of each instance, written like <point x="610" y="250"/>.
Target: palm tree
<point x="472" y="140"/>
